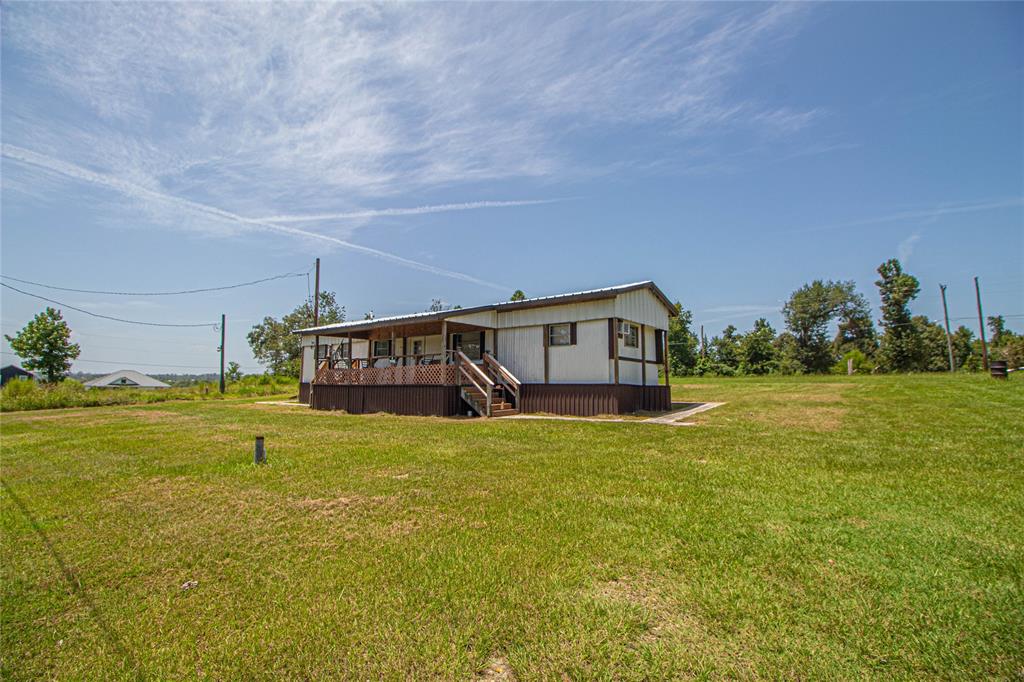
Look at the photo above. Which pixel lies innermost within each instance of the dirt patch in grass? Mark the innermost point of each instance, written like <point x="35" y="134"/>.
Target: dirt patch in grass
<point x="663" y="614"/>
<point x="336" y="506"/>
<point x="498" y="669"/>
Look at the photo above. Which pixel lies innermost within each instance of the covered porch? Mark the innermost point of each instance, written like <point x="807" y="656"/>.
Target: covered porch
<point x="423" y="367"/>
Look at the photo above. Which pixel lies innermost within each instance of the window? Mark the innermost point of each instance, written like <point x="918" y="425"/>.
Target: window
<point x="471" y="343"/>
<point x="560" y="334"/>
<point x="417" y="347"/>
<point x="630" y="334"/>
<point x="323" y="352"/>
<point x="382" y="349"/>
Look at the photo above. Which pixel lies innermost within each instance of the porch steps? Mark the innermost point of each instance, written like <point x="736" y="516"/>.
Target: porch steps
<point x="478" y="401"/>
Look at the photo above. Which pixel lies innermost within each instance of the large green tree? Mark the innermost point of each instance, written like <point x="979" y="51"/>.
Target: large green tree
<point x="518" y="295"/>
<point x="856" y="329"/>
<point x="725" y="350"/>
<point x="900" y="350"/>
<point x="272" y="341"/>
<point x="45" y="345"/>
<point x="682" y="342"/>
<point x="808" y="313"/>
<point x="757" y="349"/>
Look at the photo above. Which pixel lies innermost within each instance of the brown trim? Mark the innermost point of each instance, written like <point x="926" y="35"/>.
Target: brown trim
<point x="658" y="346"/>
<point x="587" y="400"/>
<point x="397" y="399"/>
<point x="643" y="355"/>
<point x="615" y="346"/>
<point x="611" y="338"/>
<point x="667" y="383"/>
<point x="572" y="333"/>
<point x="304" y="392"/>
<point x="547" y="344"/>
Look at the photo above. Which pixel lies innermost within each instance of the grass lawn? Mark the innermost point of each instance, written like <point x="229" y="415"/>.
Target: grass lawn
<point x="825" y="527"/>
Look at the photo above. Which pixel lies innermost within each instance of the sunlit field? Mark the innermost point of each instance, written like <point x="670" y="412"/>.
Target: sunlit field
<point x="828" y="527"/>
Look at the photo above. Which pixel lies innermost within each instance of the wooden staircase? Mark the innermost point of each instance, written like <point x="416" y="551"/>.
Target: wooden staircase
<point x="491" y="391"/>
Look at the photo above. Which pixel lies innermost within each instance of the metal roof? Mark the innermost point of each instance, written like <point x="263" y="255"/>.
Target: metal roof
<point x="537" y="302"/>
<point x="137" y="378"/>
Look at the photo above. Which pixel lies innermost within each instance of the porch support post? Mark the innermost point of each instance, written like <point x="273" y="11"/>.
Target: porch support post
<point x="444" y="342"/>
<point x="348" y="374"/>
<point x="643" y="355"/>
<point x="665" y="354"/>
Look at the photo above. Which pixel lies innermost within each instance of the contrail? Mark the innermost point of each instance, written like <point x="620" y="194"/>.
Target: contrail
<point x="416" y="210"/>
<point x="130" y="189"/>
<point x="938" y="211"/>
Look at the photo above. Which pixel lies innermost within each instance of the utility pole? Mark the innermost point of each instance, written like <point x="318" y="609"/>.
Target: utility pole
<point x="223" y="319"/>
<point x="949" y="339"/>
<point x="316" y="319"/>
<point x="981" y="325"/>
<point x="702" y="340"/>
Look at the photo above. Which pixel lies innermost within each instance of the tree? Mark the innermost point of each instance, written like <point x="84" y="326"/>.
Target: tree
<point x="808" y="313"/>
<point x="273" y="343"/>
<point x="518" y="295"/>
<point x="436" y="306"/>
<point x="999" y="333"/>
<point x="757" y="352"/>
<point x="900" y="349"/>
<point x="682" y="342"/>
<point x="234" y="372"/>
<point x="963" y="347"/>
<point x="725" y="350"/>
<point x="933" y="353"/>
<point x="45" y="345"/>
<point x="787" y="354"/>
<point x="856" y="330"/>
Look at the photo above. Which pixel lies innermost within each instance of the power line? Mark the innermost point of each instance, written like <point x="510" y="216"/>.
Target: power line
<point x="158" y="293"/>
<point x="107" y="317"/>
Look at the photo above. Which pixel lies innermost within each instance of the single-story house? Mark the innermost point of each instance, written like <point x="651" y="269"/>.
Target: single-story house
<point x="126" y="378"/>
<point x="602" y="351"/>
<point x="15" y="373"/>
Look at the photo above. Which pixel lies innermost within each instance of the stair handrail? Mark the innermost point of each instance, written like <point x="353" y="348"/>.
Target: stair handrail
<point x="473" y="375"/>
<point x="504" y="375"/>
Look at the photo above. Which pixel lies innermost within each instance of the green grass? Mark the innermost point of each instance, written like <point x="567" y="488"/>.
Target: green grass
<point x="811" y="527"/>
<point x="28" y="395"/>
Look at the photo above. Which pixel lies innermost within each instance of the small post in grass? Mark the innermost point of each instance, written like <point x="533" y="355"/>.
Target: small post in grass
<point x="260" y="456"/>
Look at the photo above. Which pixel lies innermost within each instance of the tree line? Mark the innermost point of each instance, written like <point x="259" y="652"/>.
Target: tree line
<point x="904" y="343"/>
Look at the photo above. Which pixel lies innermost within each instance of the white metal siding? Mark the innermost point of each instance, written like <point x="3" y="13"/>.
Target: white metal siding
<point x="522" y="351"/>
<point x="642" y="307"/>
<point x="584" y="363"/>
<point x="484" y="318"/>
<point x="570" y="312"/>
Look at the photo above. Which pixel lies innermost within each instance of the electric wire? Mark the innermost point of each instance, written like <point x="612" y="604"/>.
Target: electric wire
<point x="108" y="317"/>
<point x="157" y="293"/>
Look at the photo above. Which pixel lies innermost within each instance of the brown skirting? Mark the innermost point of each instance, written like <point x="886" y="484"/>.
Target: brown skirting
<point x="587" y="400"/>
<point x="304" y="392"/>
<point x="397" y="399"/>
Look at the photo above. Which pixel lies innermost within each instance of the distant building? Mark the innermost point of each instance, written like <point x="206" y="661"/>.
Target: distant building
<point x="15" y="373"/>
<point x="126" y="378"/>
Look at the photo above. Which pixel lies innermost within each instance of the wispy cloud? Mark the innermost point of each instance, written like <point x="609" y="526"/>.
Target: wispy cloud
<point x="142" y="193"/>
<point x="417" y="210"/>
<point x="906" y="247"/>
<point x="263" y="108"/>
<point x="929" y="214"/>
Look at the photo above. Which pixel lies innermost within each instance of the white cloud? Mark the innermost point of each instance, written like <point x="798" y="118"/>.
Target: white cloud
<point x="906" y="247"/>
<point x="263" y="107"/>
<point x="134" y="191"/>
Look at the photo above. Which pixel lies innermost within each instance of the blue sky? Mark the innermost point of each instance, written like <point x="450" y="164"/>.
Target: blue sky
<point x="730" y="152"/>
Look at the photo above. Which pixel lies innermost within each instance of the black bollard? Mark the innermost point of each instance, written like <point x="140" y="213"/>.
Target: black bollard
<point x="261" y="454"/>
